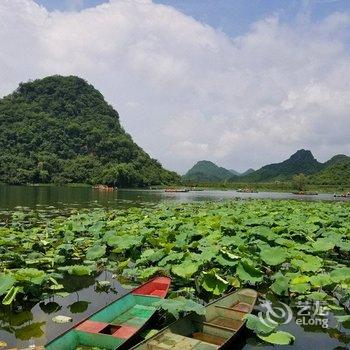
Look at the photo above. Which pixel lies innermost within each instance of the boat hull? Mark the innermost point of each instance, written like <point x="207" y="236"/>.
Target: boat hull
<point x="118" y="323"/>
<point x="218" y="329"/>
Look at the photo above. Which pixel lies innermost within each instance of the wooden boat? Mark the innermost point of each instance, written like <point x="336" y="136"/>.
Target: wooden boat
<point x="304" y="193"/>
<point x="177" y="190"/>
<point x="104" y="188"/>
<point x="114" y="325"/>
<point x="216" y="330"/>
<point x="342" y="195"/>
<point x="246" y="190"/>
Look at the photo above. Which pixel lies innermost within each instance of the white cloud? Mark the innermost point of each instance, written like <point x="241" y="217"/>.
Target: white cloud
<point x="186" y="91"/>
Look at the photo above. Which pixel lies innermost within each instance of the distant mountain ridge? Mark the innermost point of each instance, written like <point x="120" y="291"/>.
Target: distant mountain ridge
<point x="335" y="169"/>
<point x="301" y="161"/>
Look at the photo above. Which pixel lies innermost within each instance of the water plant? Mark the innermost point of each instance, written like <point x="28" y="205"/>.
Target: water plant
<point x="289" y="249"/>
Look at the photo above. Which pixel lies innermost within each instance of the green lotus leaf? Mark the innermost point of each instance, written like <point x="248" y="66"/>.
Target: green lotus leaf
<point x="278" y="338"/>
<point x="322" y="245"/>
<point x="300" y="288"/>
<point x="213" y="283"/>
<point x="274" y="256"/>
<point x="148" y="272"/>
<point x="255" y="324"/>
<point x="6" y="282"/>
<point x="320" y="280"/>
<point x="280" y="285"/>
<point x="343" y="318"/>
<point x="341" y="274"/>
<point x="11" y="295"/>
<point x="172" y="257"/>
<point x="180" y="304"/>
<point x="318" y="296"/>
<point x="248" y="273"/>
<point x="79" y="270"/>
<point x="186" y="269"/>
<point x="96" y="252"/>
<point x="30" y="275"/>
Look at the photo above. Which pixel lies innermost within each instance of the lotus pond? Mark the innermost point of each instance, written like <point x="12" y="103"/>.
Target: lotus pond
<point x="74" y="262"/>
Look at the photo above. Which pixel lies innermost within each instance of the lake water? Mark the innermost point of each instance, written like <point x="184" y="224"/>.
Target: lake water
<point x="86" y="197"/>
<point x="32" y="323"/>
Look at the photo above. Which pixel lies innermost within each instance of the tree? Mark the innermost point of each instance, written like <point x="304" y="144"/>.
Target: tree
<point x="300" y="182"/>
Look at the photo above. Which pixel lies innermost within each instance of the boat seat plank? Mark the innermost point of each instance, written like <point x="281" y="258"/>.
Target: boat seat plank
<point x="91" y="326"/>
<point x="208" y="338"/>
<point x="157" y="292"/>
<point x="242" y="307"/>
<point x="225" y="323"/>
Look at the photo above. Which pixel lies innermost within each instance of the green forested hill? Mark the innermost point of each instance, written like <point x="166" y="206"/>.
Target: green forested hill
<point x="207" y="171"/>
<point x="300" y="162"/>
<point x="335" y="173"/>
<point x="60" y="129"/>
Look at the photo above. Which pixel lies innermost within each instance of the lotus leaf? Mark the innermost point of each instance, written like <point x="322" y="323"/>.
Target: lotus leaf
<point x="6" y="282"/>
<point x="274" y="255"/>
<point x="186" y="269"/>
<point x="248" y="273"/>
<point x="96" y="252"/>
<point x="278" y="338"/>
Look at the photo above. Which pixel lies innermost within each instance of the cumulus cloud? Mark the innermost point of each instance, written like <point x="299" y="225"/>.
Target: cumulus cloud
<point x="186" y="91"/>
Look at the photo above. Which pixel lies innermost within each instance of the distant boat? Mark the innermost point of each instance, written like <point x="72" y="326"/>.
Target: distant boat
<point x="177" y="190"/>
<point x="104" y="188"/>
<point x="218" y="329"/>
<point x="342" y="195"/>
<point x="114" y="325"/>
<point x="196" y="189"/>
<point x="304" y="193"/>
<point x="246" y="190"/>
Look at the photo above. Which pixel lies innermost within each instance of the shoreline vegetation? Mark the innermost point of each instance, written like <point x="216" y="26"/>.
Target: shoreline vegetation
<point x="285" y="249"/>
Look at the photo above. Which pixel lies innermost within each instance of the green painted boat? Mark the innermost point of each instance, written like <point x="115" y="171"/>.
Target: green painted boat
<point x="116" y="324"/>
<point x="218" y="329"/>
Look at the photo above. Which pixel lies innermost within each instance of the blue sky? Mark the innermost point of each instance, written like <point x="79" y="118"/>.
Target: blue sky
<point x="234" y="17"/>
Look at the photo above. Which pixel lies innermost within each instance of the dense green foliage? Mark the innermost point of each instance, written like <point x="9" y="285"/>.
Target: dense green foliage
<point x="205" y="170"/>
<point x="336" y="173"/>
<point x="60" y="129"/>
<point x="291" y="249"/>
<point x="211" y="246"/>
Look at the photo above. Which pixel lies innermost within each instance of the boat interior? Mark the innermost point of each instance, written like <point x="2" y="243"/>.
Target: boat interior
<point x="113" y="325"/>
<point x="222" y="321"/>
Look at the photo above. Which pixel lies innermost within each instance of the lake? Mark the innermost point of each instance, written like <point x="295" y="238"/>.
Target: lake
<point x="32" y="322"/>
<point x="87" y="197"/>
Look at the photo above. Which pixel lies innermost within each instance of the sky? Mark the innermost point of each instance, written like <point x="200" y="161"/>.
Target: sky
<point x="241" y="83"/>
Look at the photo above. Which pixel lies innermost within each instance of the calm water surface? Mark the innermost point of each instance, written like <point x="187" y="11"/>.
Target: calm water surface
<point x="32" y="323"/>
<point x="86" y="197"/>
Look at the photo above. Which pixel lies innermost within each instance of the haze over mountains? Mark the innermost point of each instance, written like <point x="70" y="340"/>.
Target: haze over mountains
<point x="335" y="170"/>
